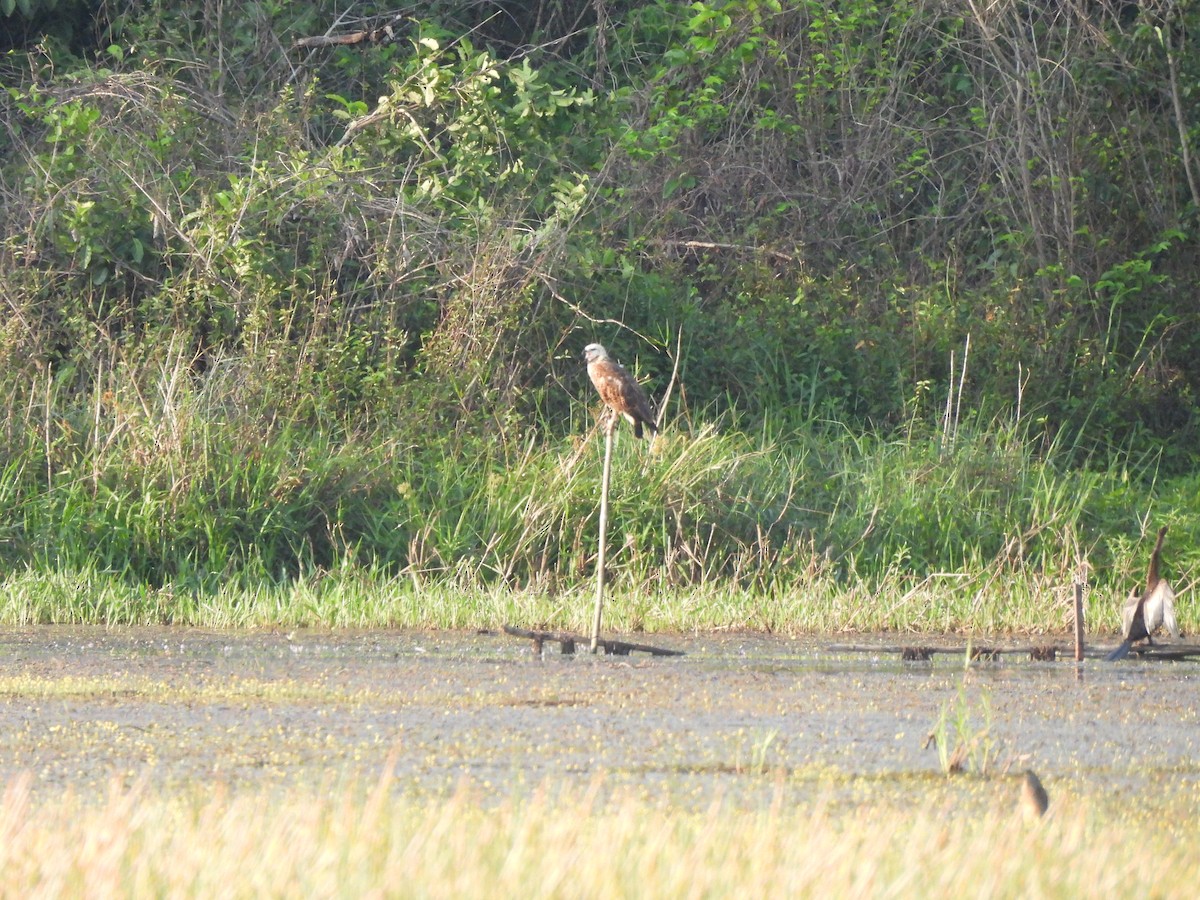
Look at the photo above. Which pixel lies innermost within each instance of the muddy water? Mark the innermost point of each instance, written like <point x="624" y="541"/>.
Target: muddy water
<point x="740" y="717"/>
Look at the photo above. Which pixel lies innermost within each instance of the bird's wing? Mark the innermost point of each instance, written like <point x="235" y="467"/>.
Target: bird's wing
<point x="620" y="390"/>
<point x="636" y="400"/>
<point x="606" y="376"/>
<point x="1128" y="611"/>
<point x="1168" y="608"/>
<point x="1159" y="608"/>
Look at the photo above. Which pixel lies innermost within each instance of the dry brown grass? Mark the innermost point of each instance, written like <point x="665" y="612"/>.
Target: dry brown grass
<point x="353" y="842"/>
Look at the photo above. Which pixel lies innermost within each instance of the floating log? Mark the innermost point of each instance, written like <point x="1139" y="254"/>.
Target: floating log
<point x="567" y="642"/>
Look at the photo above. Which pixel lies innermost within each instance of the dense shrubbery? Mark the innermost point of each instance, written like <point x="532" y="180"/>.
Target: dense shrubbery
<point x="272" y="308"/>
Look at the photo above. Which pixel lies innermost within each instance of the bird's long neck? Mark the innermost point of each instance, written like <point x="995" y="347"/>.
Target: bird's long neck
<point x="1152" y="571"/>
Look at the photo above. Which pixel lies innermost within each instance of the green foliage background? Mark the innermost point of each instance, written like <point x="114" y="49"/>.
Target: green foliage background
<point x="275" y="306"/>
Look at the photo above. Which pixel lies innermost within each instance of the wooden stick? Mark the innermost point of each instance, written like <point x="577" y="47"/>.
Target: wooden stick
<point x="608" y="446"/>
<point x="710" y="245"/>
<point x="1078" y="621"/>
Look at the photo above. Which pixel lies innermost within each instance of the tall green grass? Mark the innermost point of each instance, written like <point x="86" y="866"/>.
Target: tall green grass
<point x="165" y="496"/>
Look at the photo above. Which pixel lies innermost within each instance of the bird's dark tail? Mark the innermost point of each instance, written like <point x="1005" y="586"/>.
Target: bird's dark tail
<point x="1121" y="652"/>
<point x="637" y="427"/>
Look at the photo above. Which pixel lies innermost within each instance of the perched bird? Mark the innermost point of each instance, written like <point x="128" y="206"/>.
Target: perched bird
<point x="1154" y="608"/>
<point x="618" y="389"/>
<point x="1034" y="799"/>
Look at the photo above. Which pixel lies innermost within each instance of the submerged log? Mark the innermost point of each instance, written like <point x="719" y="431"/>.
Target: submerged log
<point x="909" y="653"/>
<point x="567" y="642"/>
<point x="1166" y="652"/>
<point x="1048" y="652"/>
<point x="1036" y="652"/>
<point x="922" y="653"/>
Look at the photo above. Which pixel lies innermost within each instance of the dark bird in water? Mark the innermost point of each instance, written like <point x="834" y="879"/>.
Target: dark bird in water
<point x="1154" y="608"/>
<point x="618" y="389"/>
<point x="1034" y="799"/>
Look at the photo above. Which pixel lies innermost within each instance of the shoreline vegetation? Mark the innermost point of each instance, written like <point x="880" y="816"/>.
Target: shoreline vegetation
<point x="813" y="532"/>
<point x="160" y="506"/>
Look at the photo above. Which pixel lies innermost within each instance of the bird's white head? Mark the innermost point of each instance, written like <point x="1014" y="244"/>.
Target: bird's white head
<point x="593" y="352"/>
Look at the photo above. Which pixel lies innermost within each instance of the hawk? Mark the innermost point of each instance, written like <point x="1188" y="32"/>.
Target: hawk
<point x="1143" y="615"/>
<point x="618" y="389"/>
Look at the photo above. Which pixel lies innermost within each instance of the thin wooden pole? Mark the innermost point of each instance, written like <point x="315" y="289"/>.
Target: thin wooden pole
<point x="608" y="446"/>
<point x="1078" y="621"/>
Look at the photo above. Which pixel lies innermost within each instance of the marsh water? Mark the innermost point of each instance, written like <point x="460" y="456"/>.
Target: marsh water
<point x="740" y="717"/>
